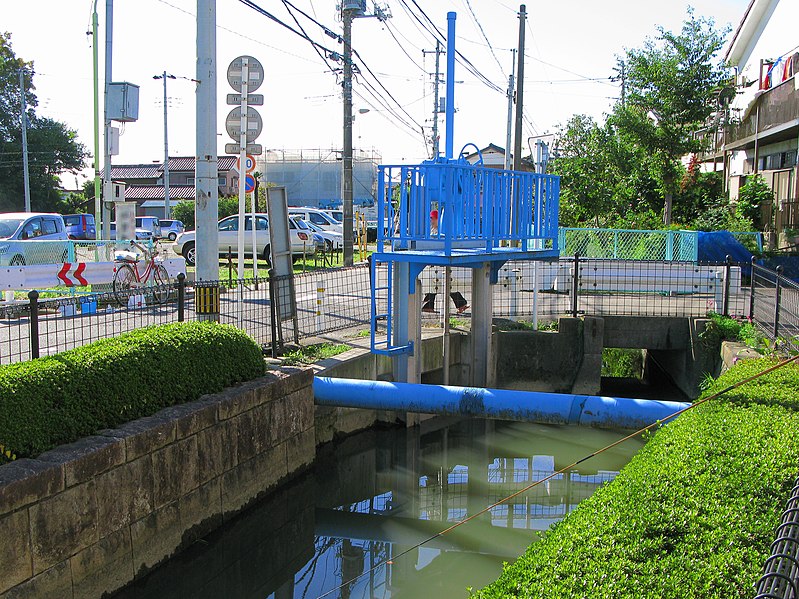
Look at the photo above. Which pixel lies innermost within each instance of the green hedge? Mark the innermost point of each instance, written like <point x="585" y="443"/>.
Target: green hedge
<point x="692" y="515"/>
<point x="58" y="399"/>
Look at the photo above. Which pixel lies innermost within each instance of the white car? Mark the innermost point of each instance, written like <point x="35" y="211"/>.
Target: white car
<point x="319" y="218"/>
<point x="32" y="238"/>
<point x="333" y="240"/>
<point x="302" y="242"/>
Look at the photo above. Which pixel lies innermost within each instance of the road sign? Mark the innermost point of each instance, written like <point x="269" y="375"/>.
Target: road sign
<point x="252" y="99"/>
<point x="255" y="75"/>
<point x="254" y="149"/>
<point x="254" y="124"/>
<point x="249" y="163"/>
<point x="249" y="184"/>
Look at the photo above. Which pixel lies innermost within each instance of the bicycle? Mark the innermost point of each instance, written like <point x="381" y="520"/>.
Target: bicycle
<point x="127" y="276"/>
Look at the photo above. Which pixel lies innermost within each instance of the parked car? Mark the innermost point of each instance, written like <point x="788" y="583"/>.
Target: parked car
<point x="149" y="223"/>
<point x="333" y="240"/>
<point x="170" y="229"/>
<point x="319" y="240"/>
<point x="302" y="242"/>
<point x="32" y="238"/>
<point x="317" y="217"/>
<point x="141" y="234"/>
<point x="80" y="226"/>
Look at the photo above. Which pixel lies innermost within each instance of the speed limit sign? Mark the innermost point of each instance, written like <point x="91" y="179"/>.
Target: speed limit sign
<point x="249" y="164"/>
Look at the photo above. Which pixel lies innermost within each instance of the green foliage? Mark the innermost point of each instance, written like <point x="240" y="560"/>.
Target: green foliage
<point x="627" y="173"/>
<point x="58" y="399"/>
<point x="313" y="353"/>
<point x="751" y="196"/>
<point x="620" y="362"/>
<point x="184" y="210"/>
<point x="52" y="147"/>
<point x="692" y="515"/>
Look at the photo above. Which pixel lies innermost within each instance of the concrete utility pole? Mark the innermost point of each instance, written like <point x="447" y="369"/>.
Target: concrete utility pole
<point x="510" y="110"/>
<point x="107" y="192"/>
<point x="436" y="109"/>
<point x="24" y="123"/>
<point x="206" y="166"/>
<point x="517" y="146"/>
<point x="96" y="72"/>
<point x="347" y="15"/>
<point x="167" y="210"/>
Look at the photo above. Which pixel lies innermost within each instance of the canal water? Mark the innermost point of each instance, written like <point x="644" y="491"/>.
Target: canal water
<point x="363" y="522"/>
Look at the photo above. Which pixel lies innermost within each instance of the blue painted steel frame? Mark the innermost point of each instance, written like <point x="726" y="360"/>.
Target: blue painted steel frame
<point x="484" y="213"/>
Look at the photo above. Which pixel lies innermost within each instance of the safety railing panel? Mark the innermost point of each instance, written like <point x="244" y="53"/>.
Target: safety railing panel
<point x="774" y="305"/>
<point x="476" y="207"/>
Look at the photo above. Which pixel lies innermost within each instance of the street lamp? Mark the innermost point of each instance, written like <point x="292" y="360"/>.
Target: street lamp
<point x="164" y="76"/>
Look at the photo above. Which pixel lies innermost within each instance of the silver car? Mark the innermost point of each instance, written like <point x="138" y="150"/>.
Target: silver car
<point x="171" y="228"/>
<point x="32" y="238"/>
<point x="302" y="242"/>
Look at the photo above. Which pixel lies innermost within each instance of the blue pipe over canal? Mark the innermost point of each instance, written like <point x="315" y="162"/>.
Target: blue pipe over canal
<point x="531" y="406"/>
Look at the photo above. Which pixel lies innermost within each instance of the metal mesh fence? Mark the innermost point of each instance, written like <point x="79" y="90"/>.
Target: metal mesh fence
<point x="340" y="299"/>
<point x="629" y="244"/>
<point x="774" y="305"/>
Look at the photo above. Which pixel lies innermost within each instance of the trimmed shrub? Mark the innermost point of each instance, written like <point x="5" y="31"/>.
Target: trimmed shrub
<point x="58" y="399"/>
<point x="692" y="515"/>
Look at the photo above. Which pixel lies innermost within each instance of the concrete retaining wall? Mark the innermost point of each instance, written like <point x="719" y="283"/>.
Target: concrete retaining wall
<point x="87" y="518"/>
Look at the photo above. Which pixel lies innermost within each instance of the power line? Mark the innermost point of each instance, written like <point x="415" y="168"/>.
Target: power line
<point x="485" y="37"/>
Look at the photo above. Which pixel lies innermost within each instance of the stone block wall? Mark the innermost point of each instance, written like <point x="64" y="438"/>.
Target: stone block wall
<point x="86" y="518"/>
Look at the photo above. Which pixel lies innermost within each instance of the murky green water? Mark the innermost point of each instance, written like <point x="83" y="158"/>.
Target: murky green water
<point x="353" y="526"/>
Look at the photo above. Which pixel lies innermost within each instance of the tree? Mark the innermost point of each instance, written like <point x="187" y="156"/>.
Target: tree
<point x="52" y="147"/>
<point x="671" y="87"/>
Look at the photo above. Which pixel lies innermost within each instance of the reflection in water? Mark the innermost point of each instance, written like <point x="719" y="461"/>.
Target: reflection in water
<point x="352" y="527"/>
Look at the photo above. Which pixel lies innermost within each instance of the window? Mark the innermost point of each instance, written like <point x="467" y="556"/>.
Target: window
<point x="32" y="229"/>
<point x="49" y="226"/>
<point x="230" y="224"/>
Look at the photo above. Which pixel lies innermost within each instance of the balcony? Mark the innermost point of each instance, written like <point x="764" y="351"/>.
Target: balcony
<point x="773" y="118"/>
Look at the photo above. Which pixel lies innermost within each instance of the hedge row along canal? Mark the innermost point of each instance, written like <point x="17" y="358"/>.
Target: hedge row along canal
<point x="692" y="515"/>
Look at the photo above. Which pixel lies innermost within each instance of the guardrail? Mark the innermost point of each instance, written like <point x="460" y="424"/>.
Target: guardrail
<point x="476" y="207"/>
<point x="339" y="299"/>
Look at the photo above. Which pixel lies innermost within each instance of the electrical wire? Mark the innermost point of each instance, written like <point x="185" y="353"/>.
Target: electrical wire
<point x="485" y="37"/>
<point x="567" y="468"/>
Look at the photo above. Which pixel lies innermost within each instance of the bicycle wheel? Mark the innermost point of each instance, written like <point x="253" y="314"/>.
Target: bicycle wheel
<point x="124" y="279"/>
<point x="160" y="285"/>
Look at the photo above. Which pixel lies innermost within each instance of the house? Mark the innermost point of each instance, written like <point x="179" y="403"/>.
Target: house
<point x="494" y="157"/>
<point x="759" y="128"/>
<point x="144" y="183"/>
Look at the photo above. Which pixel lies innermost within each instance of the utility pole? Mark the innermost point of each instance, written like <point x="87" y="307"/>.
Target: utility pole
<point x="517" y="146"/>
<point x="107" y="192"/>
<point x="206" y="167"/>
<point x="24" y="124"/>
<point x="510" y="110"/>
<point x="167" y="210"/>
<point x="436" y="110"/>
<point x="347" y="15"/>
<point x="96" y="76"/>
<point x="621" y="70"/>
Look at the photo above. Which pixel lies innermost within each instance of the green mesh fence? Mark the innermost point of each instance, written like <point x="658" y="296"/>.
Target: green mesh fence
<point x="629" y="244"/>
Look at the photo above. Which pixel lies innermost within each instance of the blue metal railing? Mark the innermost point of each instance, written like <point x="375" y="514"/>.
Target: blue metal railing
<point x="478" y="207"/>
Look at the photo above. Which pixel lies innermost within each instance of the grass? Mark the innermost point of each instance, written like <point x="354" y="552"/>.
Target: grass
<point x="313" y="353"/>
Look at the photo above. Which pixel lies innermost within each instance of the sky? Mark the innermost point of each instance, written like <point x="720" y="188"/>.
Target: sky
<point x="570" y="55"/>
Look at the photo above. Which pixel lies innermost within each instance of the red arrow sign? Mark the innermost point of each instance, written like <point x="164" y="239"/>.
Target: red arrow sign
<point x="63" y="274"/>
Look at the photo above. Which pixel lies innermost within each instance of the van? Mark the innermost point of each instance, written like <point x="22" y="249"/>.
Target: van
<point x="317" y="217"/>
<point x="149" y="223"/>
<point x="80" y="226"/>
